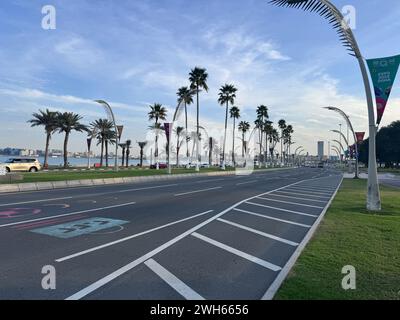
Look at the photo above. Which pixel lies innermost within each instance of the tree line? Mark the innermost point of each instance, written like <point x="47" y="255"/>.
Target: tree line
<point x="103" y="129"/>
<point x="387" y="147"/>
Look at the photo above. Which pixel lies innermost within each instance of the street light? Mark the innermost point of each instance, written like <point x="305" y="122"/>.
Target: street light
<point x="349" y="125"/>
<point x="111" y="118"/>
<point x="327" y="10"/>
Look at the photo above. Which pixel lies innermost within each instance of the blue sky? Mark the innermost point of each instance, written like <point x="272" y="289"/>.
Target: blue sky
<point x="134" y="53"/>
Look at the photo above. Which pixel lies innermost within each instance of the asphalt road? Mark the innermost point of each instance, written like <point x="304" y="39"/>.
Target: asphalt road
<point x="227" y="237"/>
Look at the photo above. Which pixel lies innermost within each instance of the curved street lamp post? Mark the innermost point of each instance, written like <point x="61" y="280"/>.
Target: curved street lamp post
<point x="327" y="10"/>
<point x="110" y="114"/>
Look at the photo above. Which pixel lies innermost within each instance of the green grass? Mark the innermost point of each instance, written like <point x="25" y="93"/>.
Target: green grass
<point x="98" y="174"/>
<point x="82" y="175"/>
<point x="349" y="235"/>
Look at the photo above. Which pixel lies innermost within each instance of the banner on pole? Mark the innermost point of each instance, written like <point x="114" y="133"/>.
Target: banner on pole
<point x="360" y="136"/>
<point x="167" y="129"/>
<point x="383" y="73"/>
<point x="89" y="143"/>
<point x="120" y="129"/>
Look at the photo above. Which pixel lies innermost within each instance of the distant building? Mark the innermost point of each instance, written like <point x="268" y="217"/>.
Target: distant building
<point x="320" y="150"/>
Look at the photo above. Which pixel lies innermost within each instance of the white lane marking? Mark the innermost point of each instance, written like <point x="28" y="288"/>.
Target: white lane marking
<point x="89" y="195"/>
<point x="261" y="233"/>
<point x="33" y="201"/>
<point x="303" y="194"/>
<point x="273" y="288"/>
<point x="139" y="189"/>
<point x="289" y="202"/>
<point x="103" y="281"/>
<point x="239" y="253"/>
<point x="273" y="218"/>
<point x="196" y="191"/>
<point x="214" y="180"/>
<point x="68" y="214"/>
<point x="285" y="210"/>
<point x="108" y="244"/>
<point x="175" y="283"/>
<point x="248" y="182"/>
<point x="316" y="188"/>
<point x="290" y="197"/>
<point x="309" y="192"/>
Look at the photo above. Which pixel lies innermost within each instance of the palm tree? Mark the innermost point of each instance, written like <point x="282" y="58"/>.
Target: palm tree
<point x="227" y="95"/>
<point x="128" y="151"/>
<point x="288" y="139"/>
<point x="157" y="112"/>
<point x="141" y="146"/>
<point x="68" y="122"/>
<point x="102" y="127"/>
<point x="198" y="80"/>
<point x="185" y="95"/>
<point x="110" y="137"/>
<point x="235" y="114"/>
<point x="268" y="131"/>
<point x="273" y="140"/>
<point x="48" y="119"/>
<point x="178" y="131"/>
<point x="282" y="126"/>
<point x="262" y="116"/>
<point x="244" y="126"/>
<point x="123" y="147"/>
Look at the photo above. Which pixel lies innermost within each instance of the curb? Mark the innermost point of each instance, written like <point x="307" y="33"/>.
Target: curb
<point x="40" y="186"/>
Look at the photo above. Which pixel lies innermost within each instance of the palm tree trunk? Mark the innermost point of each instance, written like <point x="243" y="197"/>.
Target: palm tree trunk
<point x="102" y="152"/>
<point x="106" y="143"/>
<point x="197" y="136"/>
<point x="141" y="157"/>
<point x="177" y="151"/>
<point x="243" y="144"/>
<point x="266" y="149"/>
<point x="233" y="143"/>
<point x="226" y="126"/>
<point x="123" y="157"/>
<point x="128" y="152"/>
<point x="46" y="152"/>
<point x="66" y="150"/>
<point x="186" y="132"/>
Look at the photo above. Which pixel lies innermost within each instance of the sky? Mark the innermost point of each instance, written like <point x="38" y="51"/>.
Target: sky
<point x="136" y="53"/>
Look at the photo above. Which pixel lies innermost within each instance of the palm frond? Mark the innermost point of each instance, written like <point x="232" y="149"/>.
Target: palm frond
<point x="328" y="11"/>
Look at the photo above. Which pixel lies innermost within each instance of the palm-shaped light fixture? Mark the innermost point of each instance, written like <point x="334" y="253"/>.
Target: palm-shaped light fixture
<point x="110" y="115"/>
<point x="327" y="10"/>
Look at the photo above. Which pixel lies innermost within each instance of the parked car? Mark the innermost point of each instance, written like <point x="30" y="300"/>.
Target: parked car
<point x="205" y="165"/>
<point x="22" y="164"/>
<point x="160" y="166"/>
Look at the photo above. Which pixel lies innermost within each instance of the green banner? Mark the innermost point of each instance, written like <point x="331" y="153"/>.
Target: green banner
<point x="383" y="73"/>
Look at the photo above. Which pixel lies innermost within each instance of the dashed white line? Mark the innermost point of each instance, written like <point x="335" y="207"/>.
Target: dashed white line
<point x="129" y="237"/>
<point x="284" y="210"/>
<point x="175" y="283"/>
<point x="273" y="218"/>
<point x="261" y="233"/>
<point x="196" y="191"/>
<point x="34" y="201"/>
<point x="303" y="194"/>
<point x="68" y="214"/>
<point x="239" y="253"/>
<point x="290" y="197"/>
<point x="248" y="182"/>
<point x="296" y="189"/>
<point x="289" y="202"/>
